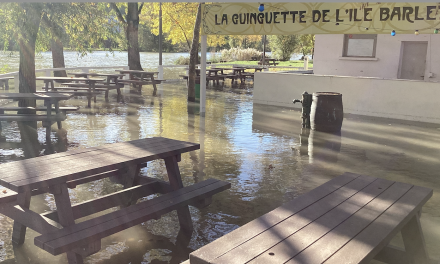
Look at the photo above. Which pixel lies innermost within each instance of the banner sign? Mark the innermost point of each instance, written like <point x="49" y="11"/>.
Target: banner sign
<point x="319" y="18"/>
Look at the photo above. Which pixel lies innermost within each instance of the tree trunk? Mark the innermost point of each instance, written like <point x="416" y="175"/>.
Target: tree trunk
<point x="58" y="57"/>
<point x="29" y="31"/>
<point x="193" y="57"/>
<point x="26" y="70"/>
<point x="132" y="28"/>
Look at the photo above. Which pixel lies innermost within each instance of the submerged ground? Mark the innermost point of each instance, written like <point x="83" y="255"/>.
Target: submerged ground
<point x="261" y="150"/>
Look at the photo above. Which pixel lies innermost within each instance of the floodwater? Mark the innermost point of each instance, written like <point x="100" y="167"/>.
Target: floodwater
<point x="261" y="150"/>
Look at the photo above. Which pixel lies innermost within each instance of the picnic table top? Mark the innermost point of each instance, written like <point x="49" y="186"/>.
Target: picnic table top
<point x="97" y="74"/>
<point x="136" y="71"/>
<point x="75" y="79"/>
<point x="36" y="96"/>
<point x="349" y="219"/>
<point x="58" y="168"/>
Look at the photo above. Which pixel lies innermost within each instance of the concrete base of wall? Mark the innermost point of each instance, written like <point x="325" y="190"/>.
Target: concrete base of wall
<point x="396" y="99"/>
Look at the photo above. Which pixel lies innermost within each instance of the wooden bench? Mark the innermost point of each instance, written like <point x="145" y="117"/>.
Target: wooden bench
<point x="48" y="119"/>
<point x="89" y="231"/>
<point x="350" y="219"/>
<point x="4" y="82"/>
<point x="122" y="161"/>
<point x="86" y="93"/>
<point x="63" y="109"/>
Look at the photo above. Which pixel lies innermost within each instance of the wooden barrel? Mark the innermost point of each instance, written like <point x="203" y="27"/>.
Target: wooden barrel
<point x="326" y="113"/>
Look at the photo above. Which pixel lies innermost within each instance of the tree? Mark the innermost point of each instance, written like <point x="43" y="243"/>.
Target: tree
<point x="245" y="41"/>
<point x="306" y="43"/>
<point x="131" y="28"/>
<point x="78" y="25"/>
<point x="50" y="17"/>
<point x="178" y="22"/>
<point x="283" y="45"/>
<point x="193" y="56"/>
<point x="29" y="18"/>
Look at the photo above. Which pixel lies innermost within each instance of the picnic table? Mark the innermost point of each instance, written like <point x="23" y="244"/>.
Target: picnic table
<point x="4" y="82"/>
<point x="145" y="78"/>
<point x="89" y="82"/>
<point x="111" y="82"/>
<point x="57" y="173"/>
<point x="269" y="62"/>
<point x="349" y="219"/>
<point x="47" y="119"/>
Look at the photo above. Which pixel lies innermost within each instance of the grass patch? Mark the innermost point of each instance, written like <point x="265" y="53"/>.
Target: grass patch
<point x="292" y="63"/>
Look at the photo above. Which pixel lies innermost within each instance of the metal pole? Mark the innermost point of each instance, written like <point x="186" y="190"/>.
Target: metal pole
<point x="160" y="33"/>
<point x="204" y="43"/>
<point x="160" y="75"/>
<point x="264" y="50"/>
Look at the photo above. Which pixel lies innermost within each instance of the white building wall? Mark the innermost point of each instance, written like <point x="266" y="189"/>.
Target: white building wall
<point x="398" y="99"/>
<point x="328" y="58"/>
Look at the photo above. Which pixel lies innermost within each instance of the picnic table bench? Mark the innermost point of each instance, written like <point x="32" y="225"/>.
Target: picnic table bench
<point x="349" y="219"/>
<point x="57" y="172"/>
<point x="88" y="82"/>
<point x="47" y="119"/>
<point x="112" y="82"/>
<point x="145" y="78"/>
<point x="4" y="82"/>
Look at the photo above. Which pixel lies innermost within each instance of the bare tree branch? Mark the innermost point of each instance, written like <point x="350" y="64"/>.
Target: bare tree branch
<point x="140" y="8"/>
<point x="118" y="13"/>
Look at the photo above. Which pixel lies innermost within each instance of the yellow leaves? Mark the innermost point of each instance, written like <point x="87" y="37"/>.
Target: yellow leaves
<point x="178" y="20"/>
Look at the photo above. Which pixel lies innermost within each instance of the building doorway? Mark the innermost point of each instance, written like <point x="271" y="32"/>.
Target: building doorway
<point x="413" y="60"/>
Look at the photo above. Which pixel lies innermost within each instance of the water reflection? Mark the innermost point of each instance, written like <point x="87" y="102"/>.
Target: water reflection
<point x="321" y="147"/>
<point x="260" y="149"/>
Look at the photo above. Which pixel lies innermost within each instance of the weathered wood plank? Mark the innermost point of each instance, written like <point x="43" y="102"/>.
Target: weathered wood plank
<point x="106" y="162"/>
<point x="61" y="157"/>
<point x="414" y="241"/>
<point x="31" y="117"/>
<point x="19" y="230"/>
<point x="65" y="215"/>
<point x="38" y="160"/>
<point x="382" y="194"/>
<point x="300" y="225"/>
<point x="228" y="242"/>
<point x="29" y="218"/>
<point x="116" y="214"/>
<point x="176" y="183"/>
<point x="133" y="215"/>
<point x="363" y="247"/>
<point x="108" y="201"/>
<point x="393" y="255"/>
<point x="81" y="163"/>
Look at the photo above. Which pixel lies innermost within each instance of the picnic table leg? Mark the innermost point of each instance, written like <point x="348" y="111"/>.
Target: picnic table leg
<point x="6" y="85"/>
<point x="65" y="215"/>
<point x="106" y="92"/>
<point x="19" y="230"/>
<point x="414" y="241"/>
<point x="57" y="111"/>
<point x="131" y="179"/>
<point x="48" y="123"/>
<point x="93" y="89"/>
<point x="154" y="85"/>
<point x="175" y="179"/>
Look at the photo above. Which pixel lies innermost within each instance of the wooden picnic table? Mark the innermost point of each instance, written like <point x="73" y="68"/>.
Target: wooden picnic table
<point x="350" y="219"/>
<point x="90" y="82"/>
<point x="4" y="82"/>
<point x="112" y="82"/>
<point x="57" y="172"/>
<point x="48" y="98"/>
<point x="145" y="78"/>
<point x="268" y="61"/>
